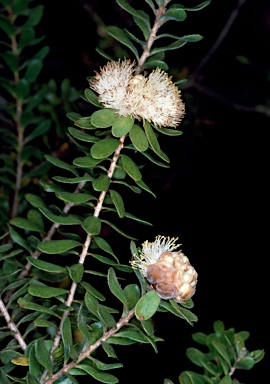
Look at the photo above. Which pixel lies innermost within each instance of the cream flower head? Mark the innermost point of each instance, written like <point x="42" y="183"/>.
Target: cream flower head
<point x="154" y="98"/>
<point x="169" y="273"/>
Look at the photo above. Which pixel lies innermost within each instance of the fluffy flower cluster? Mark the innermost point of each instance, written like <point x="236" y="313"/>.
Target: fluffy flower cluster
<point x="170" y="273"/>
<point x="154" y="98"/>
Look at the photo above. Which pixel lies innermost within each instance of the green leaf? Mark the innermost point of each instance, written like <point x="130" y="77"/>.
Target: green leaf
<point x="92" y="304"/>
<point x="173" y="13"/>
<point x="168" y="132"/>
<point x="102" y="183"/>
<point x="74" y="198"/>
<point x="167" y="381"/>
<point x="98" y="375"/>
<point x="105" y="246"/>
<point x="6" y="26"/>
<point x="36" y="307"/>
<point x="72" y="180"/>
<point x="122" y="125"/>
<point x="156" y="63"/>
<point x="120" y="340"/>
<point x="115" y="287"/>
<point x="20" y="6"/>
<point x="34" y="366"/>
<point x="121" y="36"/>
<point x="33" y="70"/>
<point x="104" y="148"/>
<point x="154" y="142"/>
<point x="57" y="246"/>
<point x="246" y="363"/>
<point x="83" y="122"/>
<point x="109" y="350"/>
<point x="22" y="88"/>
<point x="76" y="272"/>
<point x="106" y="317"/>
<point x="138" y="138"/>
<point x="142" y="185"/>
<point x="86" y="162"/>
<point x="35" y="201"/>
<point x="199" y="7"/>
<point x="45" y="266"/>
<point x="197" y="357"/>
<point x="118" y="229"/>
<point x="92" y="225"/>
<point x="179" y="311"/>
<point x="61" y="164"/>
<point x="43" y="355"/>
<point x="26" y="38"/>
<point x="191" y="38"/>
<point x="26" y="224"/>
<point x="132" y="293"/>
<point x="18" y="239"/>
<point x="67" y="338"/>
<point x="103" y="118"/>
<point x="138" y="14"/>
<point x="147" y="305"/>
<point x="30" y="379"/>
<point x="82" y="325"/>
<point x="175" y="45"/>
<point x="218" y="327"/>
<point x="82" y="135"/>
<point x="188" y="377"/>
<point x="40" y="130"/>
<point x="118" y="203"/>
<point x="222" y="349"/>
<point x="226" y="380"/>
<point x="11" y="60"/>
<point x="92" y="290"/>
<point x="92" y="98"/>
<point x="131" y="168"/>
<point x="35" y="15"/>
<point x="45" y="291"/>
<point x="63" y="220"/>
<point x="133" y="334"/>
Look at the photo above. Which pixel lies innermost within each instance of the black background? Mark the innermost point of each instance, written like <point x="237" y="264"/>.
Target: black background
<point x="214" y="197"/>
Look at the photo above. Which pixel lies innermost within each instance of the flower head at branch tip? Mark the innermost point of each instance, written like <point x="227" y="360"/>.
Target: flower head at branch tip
<point x="154" y="98"/>
<point x="168" y="271"/>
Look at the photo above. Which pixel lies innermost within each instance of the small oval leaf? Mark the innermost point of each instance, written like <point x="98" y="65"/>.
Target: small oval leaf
<point x="138" y="138"/>
<point x="118" y="203"/>
<point x="115" y="287"/>
<point x="131" y="168"/>
<point x="57" y="246"/>
<point x="104" y="148"/>
<point x="122" y="125"/>
<point x="92" y="225"/>
<point x="46" y="292"/>
<point x="103" y="118"/>
<point x="147" y="305"/>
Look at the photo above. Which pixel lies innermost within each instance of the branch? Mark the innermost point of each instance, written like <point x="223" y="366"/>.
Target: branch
<point x="12" y="326"/>
<point x="122" y="322"/>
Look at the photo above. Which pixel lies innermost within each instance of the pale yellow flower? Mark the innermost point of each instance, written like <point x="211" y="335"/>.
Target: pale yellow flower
<point x="168" y="271"/>
<point x="154" y="98"/>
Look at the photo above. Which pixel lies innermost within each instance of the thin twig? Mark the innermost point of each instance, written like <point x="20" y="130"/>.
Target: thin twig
<point x="12" y="326"/>
<point x="157" y="24"/>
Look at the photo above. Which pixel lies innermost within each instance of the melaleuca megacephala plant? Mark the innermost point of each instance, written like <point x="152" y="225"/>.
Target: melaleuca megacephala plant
<point x="58" y="318"/>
